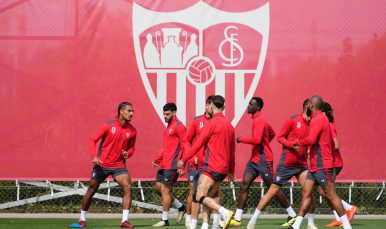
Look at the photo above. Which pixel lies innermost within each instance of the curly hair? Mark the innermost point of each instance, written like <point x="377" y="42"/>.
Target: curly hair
<point x="328" y="110"/>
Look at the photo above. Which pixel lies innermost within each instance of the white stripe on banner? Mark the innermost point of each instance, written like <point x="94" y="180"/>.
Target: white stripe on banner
<point x="220" y="84"/>
<point x="181" y="96"/>
<point x="161" y="91"/>
<point x="200" y="99"/>
<point x="239" y="92"/>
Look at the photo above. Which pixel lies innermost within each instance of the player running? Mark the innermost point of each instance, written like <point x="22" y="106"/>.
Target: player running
<point x="218" y="136"/>
<point x="321" y="171"/>
<point x="167" y="174"/>
<point x="292" y="163"/>
<point x="350" y="210"/>
<point x="118" y="140"/>
<point x="261" y="160"/>
<point x="194" y="132"/>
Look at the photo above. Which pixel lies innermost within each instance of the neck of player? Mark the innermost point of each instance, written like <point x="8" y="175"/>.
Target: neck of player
<point x="122" y="120"/>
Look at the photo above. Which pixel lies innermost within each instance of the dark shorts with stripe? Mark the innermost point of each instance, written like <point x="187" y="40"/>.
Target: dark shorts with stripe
<point x="195" y="186"/>
<point x="167" y="176"/>
<point x="100" y="173"/>
<point x="337" y="170"/>
<point x="264" y="169"/>
<point x="191" y="173"/>
<point x="284" y="173"/>
<point x="321" y="176"/>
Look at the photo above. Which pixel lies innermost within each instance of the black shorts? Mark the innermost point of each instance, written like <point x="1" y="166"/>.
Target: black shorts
<point x="100" y="173"/>
<point x="167" y="176"/>
<point x="264" y="169"/>
<point x="191" y="174"/>
<point x="337" y="170"/>
<point x="195" y="186"/>
<point x="284" y="173"/>
<point x="322" y="176"/>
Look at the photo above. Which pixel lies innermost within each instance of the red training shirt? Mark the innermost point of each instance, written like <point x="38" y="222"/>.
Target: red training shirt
<point x="115" y="138"/>
<point x="172" y="151"/>
<point x="338" y="156"/>
<point x="193" y="133"/>
<point x="321" y="142"/>
<point x="218" y="136"/>
<point x="262" y="135"/>
<point x="294" y="128"/>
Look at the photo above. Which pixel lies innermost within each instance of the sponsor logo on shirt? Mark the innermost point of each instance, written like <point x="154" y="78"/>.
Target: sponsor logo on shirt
<point x="113" y="129"/>
<point x="201" y="125"/>
<point x="170" y="131"/>
<point x="127" y="134"/>
<point x="278" y="178"/>
<point x="298" y="125"/>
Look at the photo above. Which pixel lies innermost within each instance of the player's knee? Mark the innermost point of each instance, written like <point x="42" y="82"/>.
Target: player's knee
<point x="244" y="187"/>
<point x="127" y="189"/>
<point x="201" y="200"/>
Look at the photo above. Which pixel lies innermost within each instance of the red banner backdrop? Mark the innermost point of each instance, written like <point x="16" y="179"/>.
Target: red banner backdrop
<point x="65" y="65"/>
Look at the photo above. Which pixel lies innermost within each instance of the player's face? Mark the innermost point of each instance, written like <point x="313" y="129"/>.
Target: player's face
<point x="209" y="109"/>
<point x="309" y="111"/>
<point x="127" y="113"/>
<point x="169" y="115"/>
<point x="252" y="107"/>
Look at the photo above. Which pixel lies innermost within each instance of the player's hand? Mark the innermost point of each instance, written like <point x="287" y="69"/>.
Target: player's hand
<point x="153" y="164"/>
<point x="238" y="139"/>
<point x="125" y="154"/>
<point x="308" y="153"/>
<point x="295" y="147"/>
<point x="96" y="161"/>
<point x="231" y="177"/>
<point x="181" y="172"/>
<point x="180" y="163"/>
<point x="195" y="161"/>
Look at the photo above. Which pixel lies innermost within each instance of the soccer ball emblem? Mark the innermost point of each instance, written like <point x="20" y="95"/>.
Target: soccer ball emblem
<point x="200" y="71"/>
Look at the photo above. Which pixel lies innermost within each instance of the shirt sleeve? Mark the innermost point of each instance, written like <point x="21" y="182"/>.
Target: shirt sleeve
<point x="159" y="158"/>
<point x="132" y="141"/>
<point x="333" y="131"/>
<point x="271" y="133"/>
<point x="188" y="138"/>
<point x="232" y="169"/>
<point x="282" y="137"/>
<point x="204" y="138"/>
<point x="257" y="135"/>
<point x="181" y="132"/>
<point x="93" y="140"/>
<point x="315" y="128"/>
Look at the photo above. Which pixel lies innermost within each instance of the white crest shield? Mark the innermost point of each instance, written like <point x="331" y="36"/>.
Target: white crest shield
<point x="202" y="46"/>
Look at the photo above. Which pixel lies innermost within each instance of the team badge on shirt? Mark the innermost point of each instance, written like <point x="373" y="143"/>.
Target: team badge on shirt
<point x="298" y="125"/>
<point x="170" y="131"/>
<point x="201" y="124"/>
<point x="113" y="130"/>
<point x="127" y="134"/>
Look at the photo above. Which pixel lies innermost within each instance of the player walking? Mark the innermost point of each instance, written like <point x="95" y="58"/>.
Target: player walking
<point x="292" y="163"/>
<point x="261" y="160"/>
<point x="118" y="140"/>
<point x="350" y="210"/>
<point x="218" y="136"/>
<point x="167" y="174"/>
<point x="194" y="132"/>
<point x="321" y="171"/>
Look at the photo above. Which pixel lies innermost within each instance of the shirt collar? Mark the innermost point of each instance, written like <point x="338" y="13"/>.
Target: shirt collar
<point x="220" y="114"/>
<point x="121" y="123"/>
<point x="256" y="114"/>
<point x="206" y="116"/>
<point x="315" y="113"/>
<point x="173" y="121"/>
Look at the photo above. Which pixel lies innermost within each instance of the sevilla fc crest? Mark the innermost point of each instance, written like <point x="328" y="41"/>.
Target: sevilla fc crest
<point x="200" y="51"/>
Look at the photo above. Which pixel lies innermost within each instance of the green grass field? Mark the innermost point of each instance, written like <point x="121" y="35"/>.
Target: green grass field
<point x="147" y="223"/>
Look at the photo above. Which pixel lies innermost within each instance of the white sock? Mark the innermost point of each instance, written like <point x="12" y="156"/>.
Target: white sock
<point x="346" y="205"/>
<point x="177" y="203"/>
<point x="216" y="220"/>
<point x="224" y="212"/>
<point x="125" y="216"/>
<point x="311" y="219"/>
<point x="188" y="218"/>
<point x="205" y="226"/>
<point x="336" y="216"/>
<point x="193" y="224"/>
<point x="298" y="221"/>
<point x="83" y="215"/>
<point x="165" y="215"/>
<point x="255" y="216"/>
<point x="239" y="212"/>
<point x="346" y="224"/>
<point x="291" y="212"/>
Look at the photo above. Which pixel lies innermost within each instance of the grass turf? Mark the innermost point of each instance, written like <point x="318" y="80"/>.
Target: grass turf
<point x="147" y="223"/>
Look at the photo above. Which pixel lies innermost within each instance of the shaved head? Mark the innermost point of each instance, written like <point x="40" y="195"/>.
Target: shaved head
<point x="317" y="101"/>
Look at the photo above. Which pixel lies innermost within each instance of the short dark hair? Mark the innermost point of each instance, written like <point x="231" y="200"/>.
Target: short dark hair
<point x="209" y="100"/>
<point x="121" y="106"/>
<point x="259" y="101"/>
<point x="218" y="101"/>
<point x="305" y="104"/>
<point x="170" y="107"/>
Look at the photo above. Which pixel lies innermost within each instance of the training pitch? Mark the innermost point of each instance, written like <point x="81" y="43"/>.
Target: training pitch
<point x="10" y="223"/>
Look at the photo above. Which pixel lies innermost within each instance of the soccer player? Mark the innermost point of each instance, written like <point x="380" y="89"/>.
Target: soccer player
<point x="218" y="136"/>
<point x="118" y="141"/>
<point x="350" y="210"/>
<point x="261" y="160"/>
<point x="321" y="171"/>
<point x="167" y="174"/>
<point x="194" y="132"/>
<point x="292" y="163"/>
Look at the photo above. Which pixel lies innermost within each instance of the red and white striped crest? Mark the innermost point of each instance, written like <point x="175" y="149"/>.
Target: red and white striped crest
<point x="187" y="55"/>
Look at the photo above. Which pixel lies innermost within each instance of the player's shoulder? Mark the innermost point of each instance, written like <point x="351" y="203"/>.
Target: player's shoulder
<point x="179" y="123"/>
<point x="294" y="117"/>
<point x="198" y="117"/>
<point x="111" y="122"/>
<point x="132" y="127"/>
